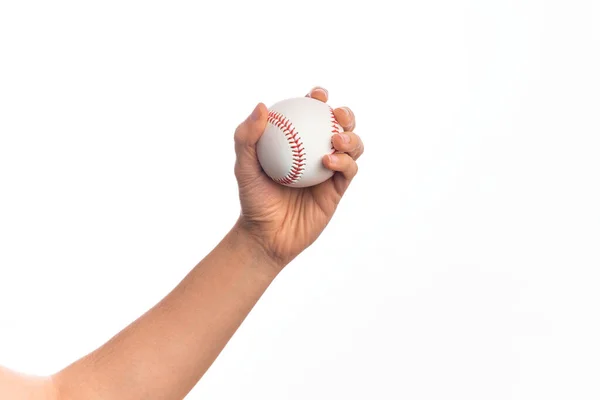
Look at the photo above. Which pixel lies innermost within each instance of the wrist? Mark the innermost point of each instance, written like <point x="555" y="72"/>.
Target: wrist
<point x="252" y="248"/>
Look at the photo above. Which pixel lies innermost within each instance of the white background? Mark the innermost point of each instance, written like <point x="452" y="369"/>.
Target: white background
<point x="462" y="264"/>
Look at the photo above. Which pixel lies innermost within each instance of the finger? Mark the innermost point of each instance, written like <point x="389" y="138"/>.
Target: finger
<point x="249" y="131"/>
<point x="345" y="117"/>
<point x="246" y="136"/>
<point x="348" y="142"/>
<point x="319" y="93"/>
<point x="341" y="162"/>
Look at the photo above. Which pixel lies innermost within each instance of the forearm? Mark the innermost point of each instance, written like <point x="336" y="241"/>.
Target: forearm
<point x="166" y="351"/>
<point x="14" y="385"/>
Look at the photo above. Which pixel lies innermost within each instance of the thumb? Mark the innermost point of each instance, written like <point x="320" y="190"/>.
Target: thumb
<point x="246" y="136"/>
<point x="249" y="131"/>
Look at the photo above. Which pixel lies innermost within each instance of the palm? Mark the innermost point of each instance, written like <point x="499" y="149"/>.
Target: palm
<point x="290" y="219"/>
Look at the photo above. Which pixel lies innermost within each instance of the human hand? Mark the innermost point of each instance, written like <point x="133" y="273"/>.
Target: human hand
<point x="284" y="221"/>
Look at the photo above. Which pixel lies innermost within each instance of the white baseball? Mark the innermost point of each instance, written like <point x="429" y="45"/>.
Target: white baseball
<point x="297" y="137"/>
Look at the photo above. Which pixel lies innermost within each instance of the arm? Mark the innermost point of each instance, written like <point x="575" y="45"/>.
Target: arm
<point x="166" y="351"/>
<point x="19" y="386"/>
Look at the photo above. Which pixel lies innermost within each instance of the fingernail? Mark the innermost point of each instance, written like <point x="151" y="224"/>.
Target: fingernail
<point x="256" y="113"/>
<point x="346" y="111"/>
<point x="333" y="158"/>
<point x="318" y="88"/>
<point x="344" y="137"/>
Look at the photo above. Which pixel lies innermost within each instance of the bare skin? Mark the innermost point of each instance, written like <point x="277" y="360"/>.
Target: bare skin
<point x="166" y="351"/>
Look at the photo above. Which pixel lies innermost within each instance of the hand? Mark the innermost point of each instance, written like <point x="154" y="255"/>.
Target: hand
<point x="283" y="220"/>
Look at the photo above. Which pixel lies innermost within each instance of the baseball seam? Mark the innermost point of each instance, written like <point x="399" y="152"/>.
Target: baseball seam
<point x="335" y="127"/>
<point x="295" y="142"/>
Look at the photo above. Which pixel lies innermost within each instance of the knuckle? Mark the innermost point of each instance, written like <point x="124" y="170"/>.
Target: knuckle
<point x="236" y="138"/>
<point x="354" y="169"/>
<point x="239" y="167"/>
<point x="351" y="171"/>
<point x="360" y="148"/>
<point x="238" y="134"/>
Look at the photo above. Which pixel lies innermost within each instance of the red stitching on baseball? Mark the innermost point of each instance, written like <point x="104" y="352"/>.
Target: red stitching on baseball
<point x="335" y="127"/>
<point x="298" y="153"/>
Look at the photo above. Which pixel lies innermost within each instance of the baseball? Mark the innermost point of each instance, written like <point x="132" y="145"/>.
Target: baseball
<point x="297" y="137"/>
